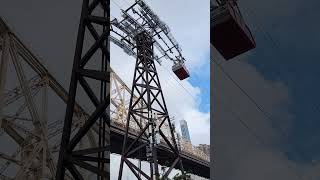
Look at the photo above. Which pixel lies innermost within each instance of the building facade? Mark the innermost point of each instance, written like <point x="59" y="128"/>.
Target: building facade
<point x="205" y="148"/>
<point x="184" y="130"/>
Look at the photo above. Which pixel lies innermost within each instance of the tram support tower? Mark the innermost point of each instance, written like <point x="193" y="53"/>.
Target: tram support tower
<point x="151" y="117"/>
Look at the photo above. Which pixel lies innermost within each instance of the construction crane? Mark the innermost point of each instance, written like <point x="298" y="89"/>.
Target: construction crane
<point x="141" y="33"/>
<point x="229" y="33"/>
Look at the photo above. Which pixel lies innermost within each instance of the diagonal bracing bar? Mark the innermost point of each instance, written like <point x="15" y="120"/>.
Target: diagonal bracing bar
<point x="96" y="160"/>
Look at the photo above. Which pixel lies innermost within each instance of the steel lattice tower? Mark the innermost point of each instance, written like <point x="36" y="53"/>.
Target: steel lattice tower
<point x="153" y="114"/>
<point x="95" y="159"/>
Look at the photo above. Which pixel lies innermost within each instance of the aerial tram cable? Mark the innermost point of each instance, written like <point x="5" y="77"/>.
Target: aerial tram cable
<point x="185" y="89"/>
<point x="116" y="4"/>
<point x="127" y="2"/>
<point x="223" y="49"/>
<point x="256" y="136"/>
<point x="275" y="46"/>
<point x="259" y="107"/>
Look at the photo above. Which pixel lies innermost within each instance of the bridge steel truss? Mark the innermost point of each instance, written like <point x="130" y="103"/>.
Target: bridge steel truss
<point x="154" y="114"/>
<point x="33" y="156"/>
<point x="95" y="160"/>
<point x="32" y="153"/>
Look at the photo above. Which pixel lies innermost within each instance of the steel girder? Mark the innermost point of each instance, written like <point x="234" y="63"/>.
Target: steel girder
<point x="97" y="159"/>
<point x="17" y="127"/>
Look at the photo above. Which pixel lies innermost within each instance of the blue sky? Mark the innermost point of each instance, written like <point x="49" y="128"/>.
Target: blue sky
<point x="287" y="66"/>
<point x="293" y="60"/>
<point x="201" y="79"/>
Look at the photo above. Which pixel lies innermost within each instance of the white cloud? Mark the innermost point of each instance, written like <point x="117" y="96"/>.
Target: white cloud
<point x="239" y="154"/>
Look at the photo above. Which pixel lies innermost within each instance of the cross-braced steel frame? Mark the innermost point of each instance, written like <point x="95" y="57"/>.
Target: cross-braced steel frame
<point x="146" y="86"/>
<point x="97" y="159"/>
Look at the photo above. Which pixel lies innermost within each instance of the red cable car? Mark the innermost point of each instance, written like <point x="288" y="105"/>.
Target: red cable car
<point x="180" y="70"/>
<point x="229" y="33"/>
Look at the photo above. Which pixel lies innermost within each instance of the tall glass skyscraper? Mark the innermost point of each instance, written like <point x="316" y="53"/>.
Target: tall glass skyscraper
<point x="184" y="130"/>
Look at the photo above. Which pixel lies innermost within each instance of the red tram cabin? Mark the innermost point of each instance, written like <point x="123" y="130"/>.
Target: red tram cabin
<point x="229" y="33"/>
